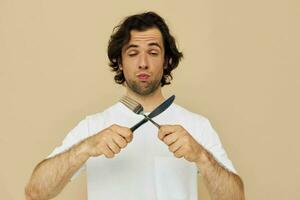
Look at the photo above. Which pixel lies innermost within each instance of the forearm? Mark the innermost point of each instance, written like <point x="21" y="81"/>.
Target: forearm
<point x="221" y="183"/>
<point x="51" y="175"/>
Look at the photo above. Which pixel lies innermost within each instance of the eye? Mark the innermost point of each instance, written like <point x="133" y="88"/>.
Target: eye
<point x="132" y="53"/>
<point x="154" y="53"/>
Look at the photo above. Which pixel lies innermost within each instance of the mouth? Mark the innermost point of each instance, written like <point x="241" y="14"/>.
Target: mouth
<point x="143" y="76"/>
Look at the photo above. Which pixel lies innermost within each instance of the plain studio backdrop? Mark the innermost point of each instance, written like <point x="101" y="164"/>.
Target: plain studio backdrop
<point x="241" y="70"/>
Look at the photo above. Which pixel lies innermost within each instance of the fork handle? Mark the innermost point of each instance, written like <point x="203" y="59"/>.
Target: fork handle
<point x="143" y="121"/>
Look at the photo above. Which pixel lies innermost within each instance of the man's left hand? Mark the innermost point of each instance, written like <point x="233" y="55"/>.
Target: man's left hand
<point x="180" y="142"/>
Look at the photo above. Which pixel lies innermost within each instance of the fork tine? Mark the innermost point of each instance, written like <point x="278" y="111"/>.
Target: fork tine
<point x="126" y="103"/>
<point x="136" y="107"/>
<point x="132" y="104"/>
<point x="129" y="103"/>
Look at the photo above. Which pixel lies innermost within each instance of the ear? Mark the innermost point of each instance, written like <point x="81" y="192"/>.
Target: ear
<point x="167" y="62"/>
<point x="170" y="61"/>
<point x="120" y="65"/>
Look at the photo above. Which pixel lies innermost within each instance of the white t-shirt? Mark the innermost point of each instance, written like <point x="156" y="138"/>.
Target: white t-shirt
<point x="145" y="169"/>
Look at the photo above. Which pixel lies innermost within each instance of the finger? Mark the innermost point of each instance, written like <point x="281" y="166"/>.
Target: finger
<point x="123" y="131"/>
<point x="113" y="147"/>
<point x="119" y="140"/>
<point x="165" y="130"/>
<point x="171" y="138"/>
<point x="129" y="138"/>
<point x="175" y="146"/>
<point x="179" y="153"/>
<point x="170" y="128"/>
<point x="107" y="152"/>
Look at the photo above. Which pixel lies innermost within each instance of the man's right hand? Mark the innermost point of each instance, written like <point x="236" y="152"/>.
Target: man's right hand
<point x="109" y="141"/>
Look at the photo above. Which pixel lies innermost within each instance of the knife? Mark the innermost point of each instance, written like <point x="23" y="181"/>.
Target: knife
<point x="161" y="108"/>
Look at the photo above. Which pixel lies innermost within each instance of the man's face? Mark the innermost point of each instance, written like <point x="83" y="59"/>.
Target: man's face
<point x="142" y="61"/>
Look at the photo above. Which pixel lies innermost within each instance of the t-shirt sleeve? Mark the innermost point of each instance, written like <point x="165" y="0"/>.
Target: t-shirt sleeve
<point x="211" y="141"/>
<point x="77" y="134"/>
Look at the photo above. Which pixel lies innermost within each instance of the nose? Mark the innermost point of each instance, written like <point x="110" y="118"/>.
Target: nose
<point x="143" y="61"/>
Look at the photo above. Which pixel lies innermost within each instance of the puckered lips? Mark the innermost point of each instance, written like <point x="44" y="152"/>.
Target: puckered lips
<point x="143" y="76"/>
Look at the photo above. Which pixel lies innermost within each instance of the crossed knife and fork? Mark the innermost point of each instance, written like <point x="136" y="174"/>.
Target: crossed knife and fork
<point x="137" y="108"/>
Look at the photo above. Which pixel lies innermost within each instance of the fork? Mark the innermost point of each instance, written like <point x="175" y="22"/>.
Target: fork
<point x="136" y="107"/>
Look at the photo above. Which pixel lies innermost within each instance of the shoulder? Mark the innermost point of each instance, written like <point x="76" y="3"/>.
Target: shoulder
<point x="99" y="120"/>
<point x="196" y="124"/>
<point x="96" y="117"/>
<point x="189" y="115"/>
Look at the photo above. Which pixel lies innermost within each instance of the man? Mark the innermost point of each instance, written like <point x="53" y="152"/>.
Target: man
<point x="149" y="163"/>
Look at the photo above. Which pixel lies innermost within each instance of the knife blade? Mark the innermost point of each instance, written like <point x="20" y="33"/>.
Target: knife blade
<point x="159" y="109"/>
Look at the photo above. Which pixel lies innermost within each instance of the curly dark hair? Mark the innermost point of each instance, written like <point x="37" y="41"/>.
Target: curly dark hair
<point x="142" y="22"/>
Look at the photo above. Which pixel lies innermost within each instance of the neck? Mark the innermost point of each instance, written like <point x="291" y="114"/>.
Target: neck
<point x="149" y="102"/>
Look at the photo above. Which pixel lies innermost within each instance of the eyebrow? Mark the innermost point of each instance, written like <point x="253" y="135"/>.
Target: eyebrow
<point x="135" y="46"/>
<point x="154" y="44"/>
<point x="131" y="46"/>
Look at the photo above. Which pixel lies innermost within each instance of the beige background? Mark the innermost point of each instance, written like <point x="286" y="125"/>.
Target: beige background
<point x="241" y="70"/>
